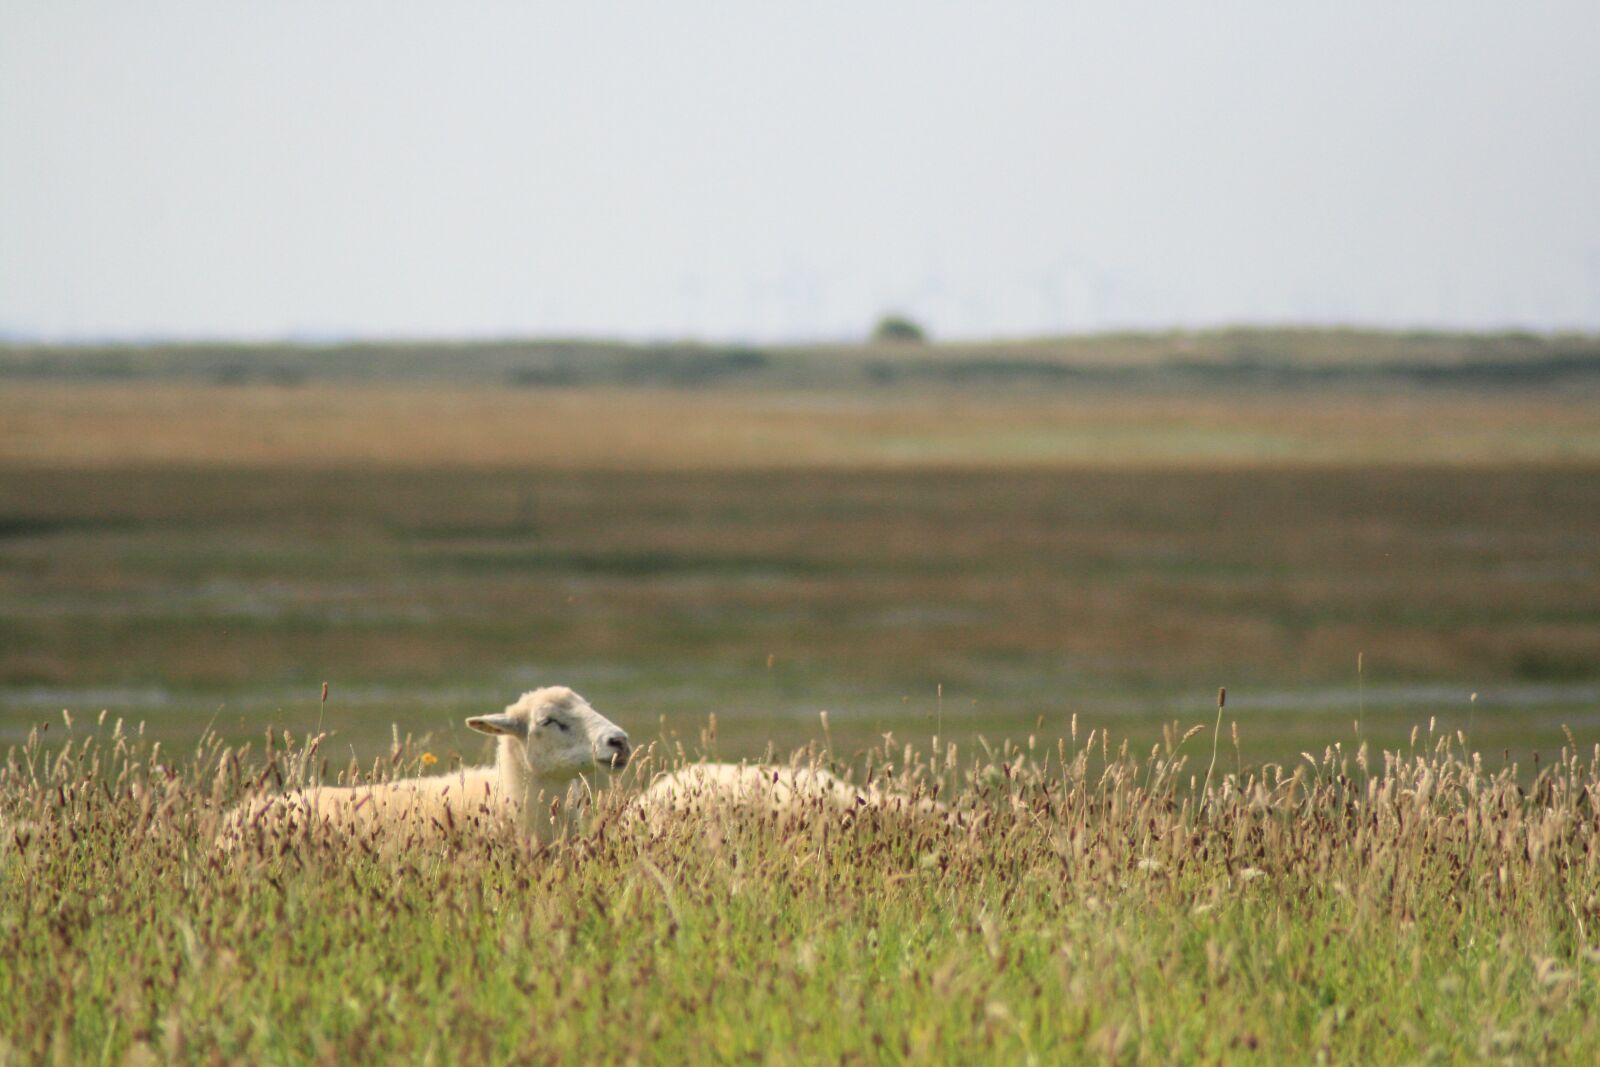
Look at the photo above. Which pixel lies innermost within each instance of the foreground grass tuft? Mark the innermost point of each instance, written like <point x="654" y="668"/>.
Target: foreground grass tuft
<point x="1079" y="903"/>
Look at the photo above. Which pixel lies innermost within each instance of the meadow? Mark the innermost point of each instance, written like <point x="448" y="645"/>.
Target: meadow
<point x="1383" y="546"/>
<point x="964" y="560"/>
<point x="1083" y="903"/>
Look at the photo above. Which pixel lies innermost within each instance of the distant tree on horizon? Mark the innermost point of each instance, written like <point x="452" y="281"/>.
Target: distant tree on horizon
<point x="898" y="328"/>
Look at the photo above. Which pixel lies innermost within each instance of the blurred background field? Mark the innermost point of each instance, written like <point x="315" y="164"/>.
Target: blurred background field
<point x="920" y="539"/>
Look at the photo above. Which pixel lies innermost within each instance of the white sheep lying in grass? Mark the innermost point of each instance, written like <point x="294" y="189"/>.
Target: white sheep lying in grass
<point x="777" y="789"/>
<point x="547" y="739"/>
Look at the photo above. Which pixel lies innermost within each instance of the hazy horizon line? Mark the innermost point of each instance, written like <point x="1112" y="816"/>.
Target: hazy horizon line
<point x="318" y="338"/>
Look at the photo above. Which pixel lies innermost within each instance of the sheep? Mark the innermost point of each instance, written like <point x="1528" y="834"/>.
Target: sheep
<point x="548" y="739"/>
<point x="775" y="789"/>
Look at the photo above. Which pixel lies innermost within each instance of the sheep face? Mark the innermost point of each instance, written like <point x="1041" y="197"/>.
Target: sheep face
<point x="556" y="734"/>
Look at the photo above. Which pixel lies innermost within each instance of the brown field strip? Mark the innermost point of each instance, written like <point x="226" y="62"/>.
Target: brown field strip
<point x="54" y="425"/>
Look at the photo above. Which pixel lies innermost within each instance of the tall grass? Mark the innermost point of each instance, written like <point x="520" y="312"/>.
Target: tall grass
<point x="1079" y="903"/>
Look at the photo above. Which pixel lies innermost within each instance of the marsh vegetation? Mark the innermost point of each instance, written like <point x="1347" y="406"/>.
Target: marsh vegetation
<point x="1017" y="589"/>
<point x="1084" y="902"/>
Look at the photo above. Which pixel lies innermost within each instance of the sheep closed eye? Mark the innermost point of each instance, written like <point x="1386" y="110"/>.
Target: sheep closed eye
<point x="557" y="723"/>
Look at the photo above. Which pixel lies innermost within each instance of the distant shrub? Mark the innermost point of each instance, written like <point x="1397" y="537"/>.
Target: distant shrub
<point x="899" y="329"/>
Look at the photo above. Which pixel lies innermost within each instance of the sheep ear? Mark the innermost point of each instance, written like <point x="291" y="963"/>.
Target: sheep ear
<point x="499" y="724"/>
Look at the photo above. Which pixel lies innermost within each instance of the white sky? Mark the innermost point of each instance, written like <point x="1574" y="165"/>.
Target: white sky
<point x="763" y="171"/>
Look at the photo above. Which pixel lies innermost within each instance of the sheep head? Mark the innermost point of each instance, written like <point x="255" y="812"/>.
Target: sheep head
<point x="557" y="734"/>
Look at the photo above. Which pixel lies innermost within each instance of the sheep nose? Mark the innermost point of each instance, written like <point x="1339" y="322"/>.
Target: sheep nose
<point x="617" y="749"/>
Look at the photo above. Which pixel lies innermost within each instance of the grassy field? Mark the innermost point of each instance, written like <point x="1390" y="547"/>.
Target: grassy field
<point x="910" y="560"/>
<point x="75" y="425"/>
<point x="1084" y="904"/>
<point x="1024" y="558"/>
<point x="194" y="595"/>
